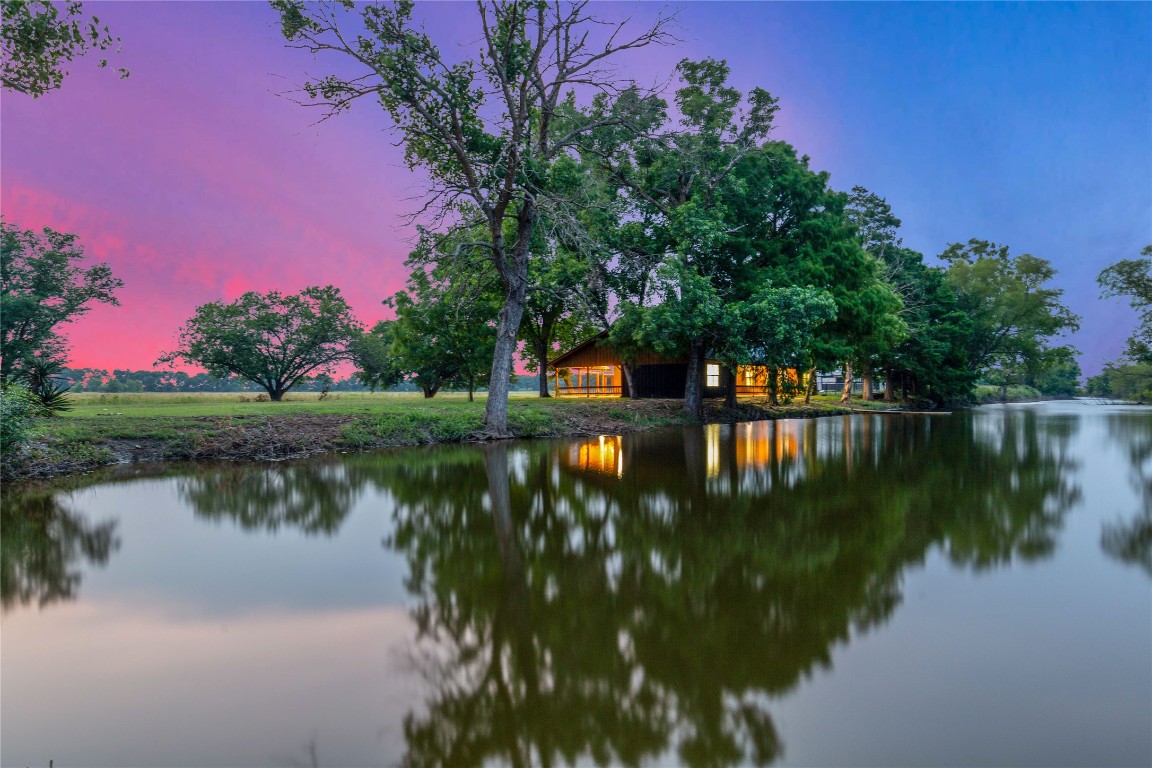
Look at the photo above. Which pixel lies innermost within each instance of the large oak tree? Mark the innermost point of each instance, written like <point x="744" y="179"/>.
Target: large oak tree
<point x="273" y="340"/>
<point x="485" y="129"/>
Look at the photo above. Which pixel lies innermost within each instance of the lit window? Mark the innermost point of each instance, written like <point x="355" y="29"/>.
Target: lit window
<point x="713" y="376"/>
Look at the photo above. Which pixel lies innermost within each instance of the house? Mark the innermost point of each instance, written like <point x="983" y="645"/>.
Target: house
<point x="594" y="369"/>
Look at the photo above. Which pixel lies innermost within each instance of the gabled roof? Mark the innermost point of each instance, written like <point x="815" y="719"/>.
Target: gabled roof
<point x="588" y="344"/>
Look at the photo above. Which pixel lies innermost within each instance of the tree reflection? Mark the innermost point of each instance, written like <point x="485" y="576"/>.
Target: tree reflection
<point x="1131" y="542"/>
<point x="312" y="497"/>
<point x="43" y="545"/>
<point x="575" y="606"/>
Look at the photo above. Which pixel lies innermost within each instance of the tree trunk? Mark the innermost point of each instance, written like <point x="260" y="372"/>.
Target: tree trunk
<point x="846" y="394"/>
<point x="811" y="386"/>
<point x="429" y="392"/>
<point x="693" y="392"/>
<point x="632" y="393"/>
<point x="888" y="394"/>
<point x="730" y="391"/>
<point x="773" y="385"/>
<point x="542" y="362"/>
<point x="866" y="378"/>
<point x="471" y="387"/>
<point x="904" y="386"/>
<point x="515" y="280"/>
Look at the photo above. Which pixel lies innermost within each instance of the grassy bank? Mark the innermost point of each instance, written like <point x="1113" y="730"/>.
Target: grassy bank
<point x="1016" y="393"/>
<point x="124" y="428"/>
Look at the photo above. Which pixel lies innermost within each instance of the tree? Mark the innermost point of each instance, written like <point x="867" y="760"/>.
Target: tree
<point x="42" y="286"/>
<point x="272" y="340"/>
<point x="1133" y="278"/>
<point x="485" y="129"/>
<point x="1014" y="315"/>
<point x="553" y="313"/>
<point x="445" y="329"/>
<point x="372" y="354"/>
<point x="40" y="37"/>
<point x="679" y="185"/>
<point x="928" y="354"/>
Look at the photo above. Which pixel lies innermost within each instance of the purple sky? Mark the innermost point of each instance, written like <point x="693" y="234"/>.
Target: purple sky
<point x="1026" y="124"/>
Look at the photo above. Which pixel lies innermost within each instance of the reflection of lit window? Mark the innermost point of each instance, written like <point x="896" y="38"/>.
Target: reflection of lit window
<point x="712" y="449"/>
<point x="604" y="455"/>
<point x="713" y="376"/>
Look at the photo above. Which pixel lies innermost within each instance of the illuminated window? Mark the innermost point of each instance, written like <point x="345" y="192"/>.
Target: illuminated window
<point x="712" y="375"/>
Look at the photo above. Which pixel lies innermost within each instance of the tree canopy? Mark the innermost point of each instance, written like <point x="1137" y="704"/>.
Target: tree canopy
<point x="485" y="129"/>
<point x="39" y="38"/>
<point x="43" y="286"/>
<point x="273" y="340"/>
<point x="444" y="331"/>
<point x="1133" y="278"/>
<point x="1015" y="314"/>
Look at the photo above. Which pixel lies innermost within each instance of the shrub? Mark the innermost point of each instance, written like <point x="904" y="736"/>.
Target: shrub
<point x="18" y="407"/>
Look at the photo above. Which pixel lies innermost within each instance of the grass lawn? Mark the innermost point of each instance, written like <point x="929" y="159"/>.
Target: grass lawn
<point x="173" y="404"/>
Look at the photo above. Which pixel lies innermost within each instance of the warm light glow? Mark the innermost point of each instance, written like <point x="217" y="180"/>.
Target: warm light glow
<point x="604" y="455"/>
<point x="712" y="449"/>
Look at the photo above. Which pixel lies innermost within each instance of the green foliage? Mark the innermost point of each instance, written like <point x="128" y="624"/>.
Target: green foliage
<point x="39" y="38"/>
<point x="1056" y="372"/>
<point x="1133" y="278"/>
<point x="444" y="332"/>
<point x="272" y="340"/>
<point x="1122" y="381"/>
<point x="927" y="356"/>
<point x="18" y="407"/>
<point x="995" y="393"/>
<point x="42" y="287"/>
<point x="44" y="382"/>
<point x="376" y="364"/>
<point x="485" y="130"/>
<point x="1014" y="315"/>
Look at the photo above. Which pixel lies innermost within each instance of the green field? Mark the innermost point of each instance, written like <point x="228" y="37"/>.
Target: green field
<point x="175" y="404"/>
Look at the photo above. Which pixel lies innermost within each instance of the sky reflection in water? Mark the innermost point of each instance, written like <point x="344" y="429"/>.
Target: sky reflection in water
<point x="867" y="590"/>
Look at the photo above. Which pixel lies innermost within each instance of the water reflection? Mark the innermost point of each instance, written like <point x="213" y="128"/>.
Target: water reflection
<point x="313" y="498"/>
<point x="1131" y="541"/>
<point x="636" y="597"/>
<point x="43" y="545"/>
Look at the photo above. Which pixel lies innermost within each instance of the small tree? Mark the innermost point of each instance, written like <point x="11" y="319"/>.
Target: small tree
<point x="445" y="329"/>
<point x="270" y="339"/>
<point x="1133" y="278"/>
<point x="375" y="363"/>
<point x="40" y="37"/>
<point x="42" y="287"/>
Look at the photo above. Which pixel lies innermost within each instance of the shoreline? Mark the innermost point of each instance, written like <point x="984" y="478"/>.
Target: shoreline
<point x="74" y="446"/>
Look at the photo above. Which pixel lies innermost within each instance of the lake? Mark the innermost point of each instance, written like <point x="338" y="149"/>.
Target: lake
<point x="973" y="589"/>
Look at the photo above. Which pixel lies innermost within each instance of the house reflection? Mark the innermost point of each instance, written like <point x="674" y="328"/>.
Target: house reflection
<point x="728" y="448"/>
<point x="604" y="455"/>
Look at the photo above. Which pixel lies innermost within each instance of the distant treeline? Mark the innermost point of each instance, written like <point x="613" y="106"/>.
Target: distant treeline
<point x="124" y="380"/>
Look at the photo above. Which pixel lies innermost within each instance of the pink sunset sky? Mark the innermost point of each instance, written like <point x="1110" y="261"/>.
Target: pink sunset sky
<point x="1029" y="125"/>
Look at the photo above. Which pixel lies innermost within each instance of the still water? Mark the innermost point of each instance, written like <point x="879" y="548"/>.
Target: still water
<point x="973" y="589"/>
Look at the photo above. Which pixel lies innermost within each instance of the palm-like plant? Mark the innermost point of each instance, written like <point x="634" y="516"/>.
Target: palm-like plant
<point x="42" y="379"/>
